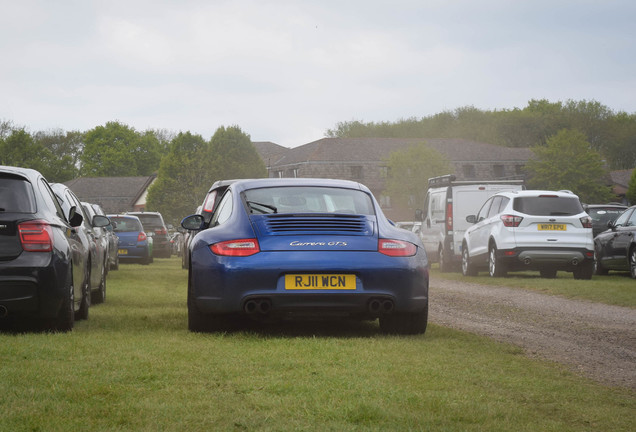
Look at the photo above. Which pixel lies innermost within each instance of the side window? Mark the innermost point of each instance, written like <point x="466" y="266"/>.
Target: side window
<point x="223" y="211"/>
<point x="632" y="219"/>
<point x="50" y="199"/>
<point x="622" y="220"/>
<point x="483" y="212"/>
<point x="494" y="207"/>
<point x="504" y="203"/>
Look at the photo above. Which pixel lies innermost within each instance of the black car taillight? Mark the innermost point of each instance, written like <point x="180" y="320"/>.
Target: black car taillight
<point x="36" y="236"/>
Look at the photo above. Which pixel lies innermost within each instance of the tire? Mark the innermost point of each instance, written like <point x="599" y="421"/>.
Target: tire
<point x="82" y="313"/>
<point x="65" y="319"/>
<point x="548" y="273"/>
<point x="405" y="323"/>
<point x="632" y="263"/>
<point x="99" y="295"/>
<point x="115" y="265"/>
<point x="495" y="267"/>
<point x="599" y="269"/>
<point x="444" y="264"/>
<point x="467" y="268"/>
<point x="584" y="271"/>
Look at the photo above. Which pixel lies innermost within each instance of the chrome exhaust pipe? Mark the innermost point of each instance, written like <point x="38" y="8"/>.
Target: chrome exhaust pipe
<point x="527" y="261"/>
<point x="261" y="306"/>
<point x="3" y="311"/>
<point x="387" y="306"/>
<point x="375" y="305"/>
<point x="575" y="262"/>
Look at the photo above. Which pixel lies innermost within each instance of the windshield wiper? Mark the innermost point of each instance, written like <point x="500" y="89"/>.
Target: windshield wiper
<point x="267" y="206"/>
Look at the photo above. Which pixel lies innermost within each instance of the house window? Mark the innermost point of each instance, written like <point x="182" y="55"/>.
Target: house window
<point x="278" y="174"/>
<point x="498" y="171"/>
<point x="384" y="172"/>
<point x="356" y="172"/>
<point x="519" y="170"/>
<point x="385" y="201"/>
<point x="469" y="171"/>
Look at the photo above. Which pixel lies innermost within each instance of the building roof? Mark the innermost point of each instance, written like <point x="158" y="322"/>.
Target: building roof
<point x="620" y="180"/>
<point x="270" y="152"/>
<point x="378" y="149"/>
<point x="114" y="194"/>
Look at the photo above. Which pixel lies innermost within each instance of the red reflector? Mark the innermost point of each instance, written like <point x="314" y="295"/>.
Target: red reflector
<point x="243" y="247"/>
<point x="510" y="253"/>
<point x="449" y="216"/>
<point x="396" y="248"/>
<point x="36" y="236"/>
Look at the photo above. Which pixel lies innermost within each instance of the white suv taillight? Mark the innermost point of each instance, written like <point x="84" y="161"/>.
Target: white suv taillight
<point x="36" y="236"/>
<point x="511" y="221"/>
<point x="586" y="221"/>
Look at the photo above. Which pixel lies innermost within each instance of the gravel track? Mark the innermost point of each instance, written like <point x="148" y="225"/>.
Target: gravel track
<point x="593" y="339"/>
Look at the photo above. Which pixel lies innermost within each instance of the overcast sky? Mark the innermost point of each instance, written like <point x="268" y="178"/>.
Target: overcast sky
<point x="286" y="71"/>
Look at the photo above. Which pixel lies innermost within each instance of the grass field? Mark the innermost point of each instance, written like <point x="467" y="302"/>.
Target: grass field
<point x="616" y="288"/>
<point x="133" y="366"/>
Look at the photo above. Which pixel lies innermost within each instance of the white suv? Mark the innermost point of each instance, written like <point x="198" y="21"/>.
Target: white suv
<point x="530" y="230"/>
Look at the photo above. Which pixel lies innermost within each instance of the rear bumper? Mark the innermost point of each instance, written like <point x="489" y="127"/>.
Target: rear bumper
<point x="540" y="258"/>
<point x="228" y="285"/>
<point x="33" y="284"/>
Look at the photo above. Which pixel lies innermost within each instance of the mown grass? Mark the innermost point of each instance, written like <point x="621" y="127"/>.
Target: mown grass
<point x="133" y="366"/>
<point x="615" y="289"/>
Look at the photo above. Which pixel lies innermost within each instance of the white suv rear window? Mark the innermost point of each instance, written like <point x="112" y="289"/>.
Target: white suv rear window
<point x="548" y="205"/>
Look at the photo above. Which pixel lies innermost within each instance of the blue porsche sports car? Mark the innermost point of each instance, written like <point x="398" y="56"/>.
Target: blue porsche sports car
<point x="285" y="248"/>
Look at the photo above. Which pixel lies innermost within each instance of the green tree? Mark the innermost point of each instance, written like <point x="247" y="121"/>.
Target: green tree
<point x="631" y="189"/>
<point x="20" y="149"/>
<point x="184" y="176"/>
<point x="567" y="161"/>
<point x="408" y="174"/>
<point x="117" y="150"/>
<point x="65" y="149"/>
<point x="235" y="156"/>
<point x="192" y="165"/>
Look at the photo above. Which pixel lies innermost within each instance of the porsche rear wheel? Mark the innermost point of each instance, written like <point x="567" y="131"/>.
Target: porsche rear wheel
<point x="405" y="323"/>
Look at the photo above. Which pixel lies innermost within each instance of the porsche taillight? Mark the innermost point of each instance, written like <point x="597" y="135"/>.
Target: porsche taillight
<point x="36" y="236"/>
<point x="237" y="248"/>
<point x="396" y="248"/>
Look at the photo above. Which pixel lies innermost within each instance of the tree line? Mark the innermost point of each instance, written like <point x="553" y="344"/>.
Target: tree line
<point x="186" y="164"/>
<point x="611" y="134"/>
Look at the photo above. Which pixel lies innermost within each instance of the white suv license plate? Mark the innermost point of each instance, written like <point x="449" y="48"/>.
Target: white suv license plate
<point x="551" y="227"/>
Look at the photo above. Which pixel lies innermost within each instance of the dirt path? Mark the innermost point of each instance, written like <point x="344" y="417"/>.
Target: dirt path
<point x="596" y="340"/>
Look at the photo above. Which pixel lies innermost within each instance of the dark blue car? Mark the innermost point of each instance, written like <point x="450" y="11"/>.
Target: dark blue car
<point x="285" y="248"/>
<point x="134" y="244"/>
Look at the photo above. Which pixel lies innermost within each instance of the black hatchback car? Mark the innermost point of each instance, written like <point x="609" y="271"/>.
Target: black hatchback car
<point x="615" y="249"/>
<point x="42" y="274"/>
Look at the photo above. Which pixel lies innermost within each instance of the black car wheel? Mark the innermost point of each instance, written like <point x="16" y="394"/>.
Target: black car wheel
<point x="467" y="268"/>
<point x="82" y="313"/>
<point x="405" y="323"/>
<point x="65" y="319"/>
<point x="495" y="267"/>
<point x="632" y="263"/>
<point x="100" y="293"/>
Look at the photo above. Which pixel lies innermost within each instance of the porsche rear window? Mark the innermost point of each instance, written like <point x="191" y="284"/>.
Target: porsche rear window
<point x="548" y="205"/>
<point x="16" y="196"/>
<point x="308" y="199"/>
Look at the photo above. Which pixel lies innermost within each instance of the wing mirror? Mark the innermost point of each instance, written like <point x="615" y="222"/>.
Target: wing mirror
<point x="471" y="219"/>
<point x="193" y="222"/>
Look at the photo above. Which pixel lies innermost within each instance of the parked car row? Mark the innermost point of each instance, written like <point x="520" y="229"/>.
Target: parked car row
<point x="53" y="262"/>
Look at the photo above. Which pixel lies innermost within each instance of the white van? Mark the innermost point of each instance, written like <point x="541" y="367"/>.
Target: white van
<point x="447" y="204"/>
